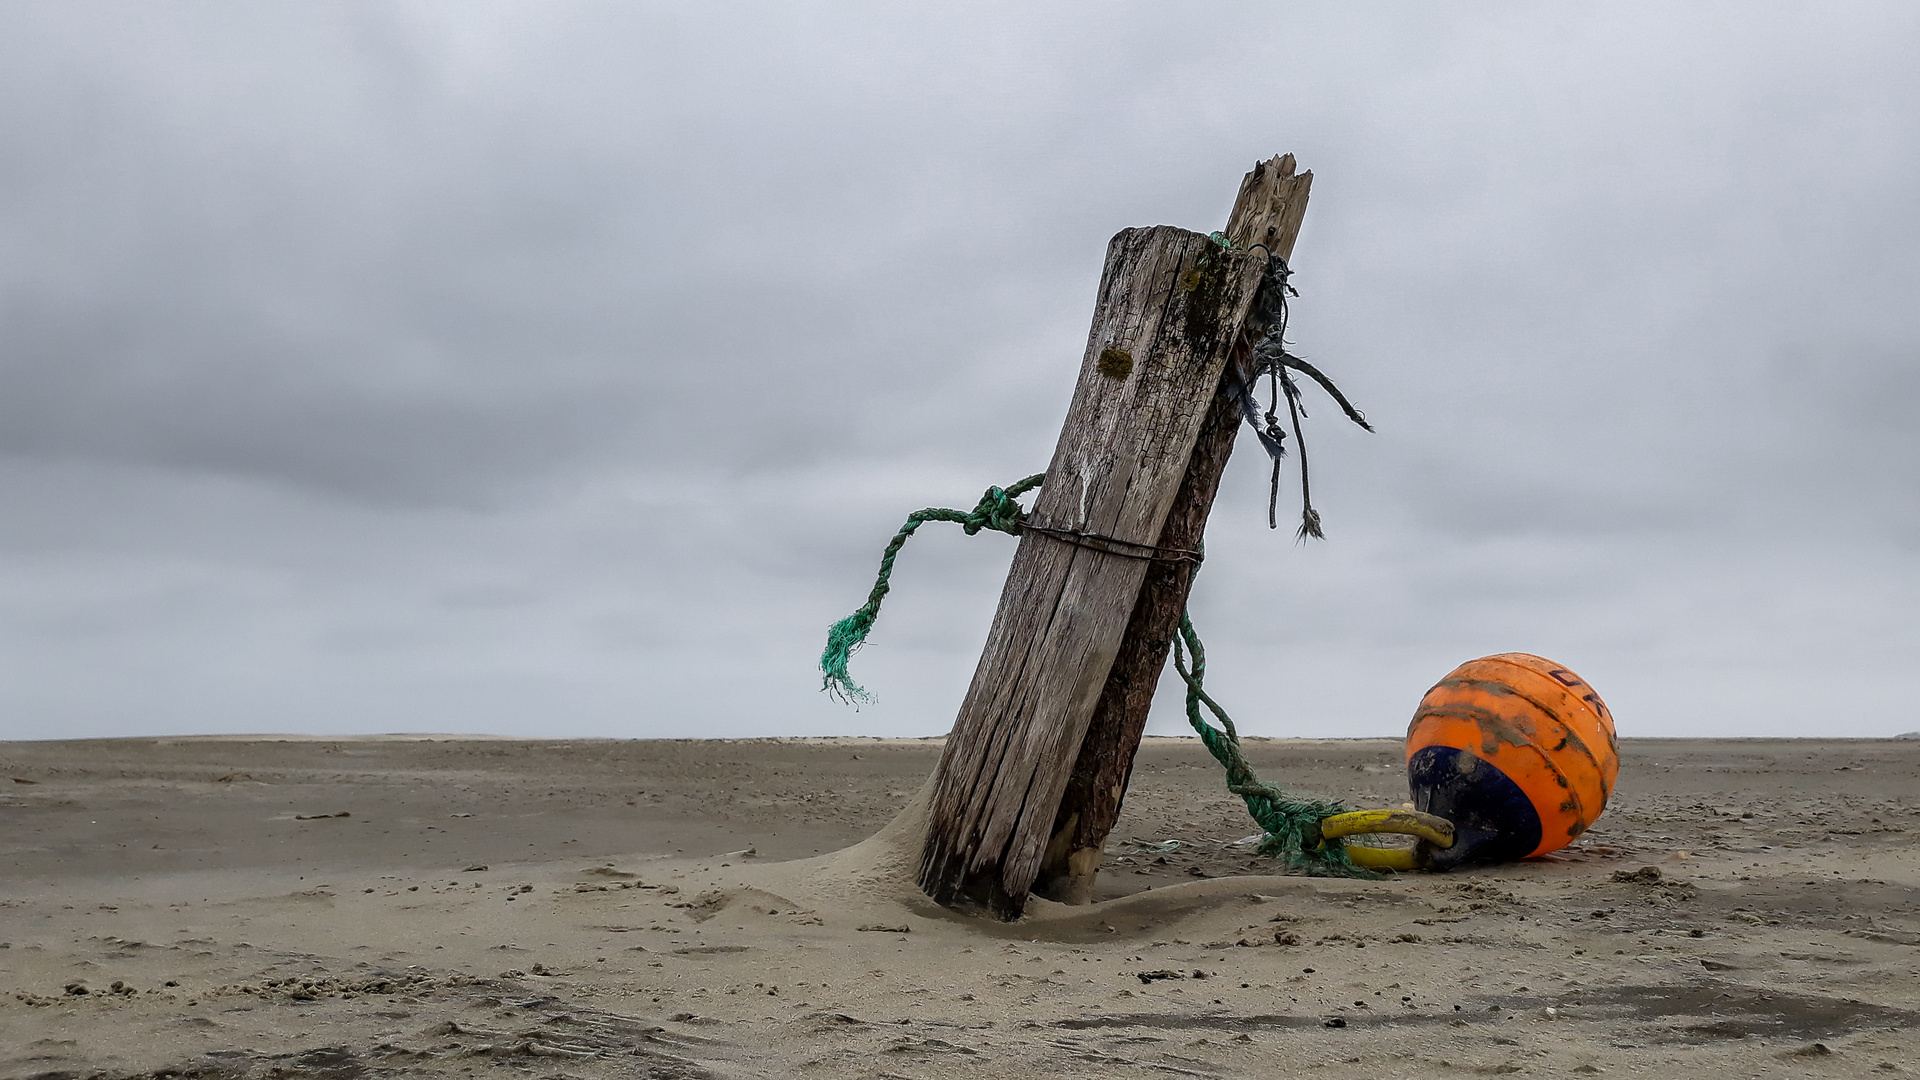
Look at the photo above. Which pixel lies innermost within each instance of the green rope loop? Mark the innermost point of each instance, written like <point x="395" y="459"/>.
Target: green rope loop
<point x="1286" y="820"/>
<point x="996" y="511"/>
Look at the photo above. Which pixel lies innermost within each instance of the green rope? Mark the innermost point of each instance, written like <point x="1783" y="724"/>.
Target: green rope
<point x="1288" y="821"/>
<point x="1285" y="819"/>
<point x="996" y="510"/>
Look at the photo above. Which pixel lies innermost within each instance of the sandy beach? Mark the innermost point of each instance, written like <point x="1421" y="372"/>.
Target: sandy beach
<point x="339" y="908"/>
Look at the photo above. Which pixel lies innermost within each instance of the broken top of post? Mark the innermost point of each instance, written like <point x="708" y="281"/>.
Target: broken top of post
<point x="1271" y="205"/>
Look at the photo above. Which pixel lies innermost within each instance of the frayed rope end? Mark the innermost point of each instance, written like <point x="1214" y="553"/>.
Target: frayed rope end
<point x="1309" y="526"/>
<point x="846" y="635"/>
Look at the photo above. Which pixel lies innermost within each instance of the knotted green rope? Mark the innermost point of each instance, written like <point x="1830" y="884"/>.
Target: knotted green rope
<point x="996" y="510"/>
<point x="1287" y="821"/>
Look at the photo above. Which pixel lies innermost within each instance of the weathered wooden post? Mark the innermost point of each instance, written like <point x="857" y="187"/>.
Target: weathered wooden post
<point x="1270" y="208"/>
<point x="1036" y="767"/>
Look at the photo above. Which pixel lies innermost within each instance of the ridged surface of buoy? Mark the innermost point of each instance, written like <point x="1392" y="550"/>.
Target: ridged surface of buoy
<point x="1517" y="751"/>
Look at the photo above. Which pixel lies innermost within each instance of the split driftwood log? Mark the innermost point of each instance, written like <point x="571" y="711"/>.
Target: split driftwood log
<point x="1036" y="768"/>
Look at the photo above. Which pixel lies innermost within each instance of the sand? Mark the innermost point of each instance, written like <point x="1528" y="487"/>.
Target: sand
<point x="227" y="908"/>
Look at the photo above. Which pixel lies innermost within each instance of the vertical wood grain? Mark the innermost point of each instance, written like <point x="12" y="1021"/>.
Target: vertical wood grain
<point x="1169" y="311"/>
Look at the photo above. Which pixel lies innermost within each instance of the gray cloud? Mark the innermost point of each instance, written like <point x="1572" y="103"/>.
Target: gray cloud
<point x="564" y="367"/>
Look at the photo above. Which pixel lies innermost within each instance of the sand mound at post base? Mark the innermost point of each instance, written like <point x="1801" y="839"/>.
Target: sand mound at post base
<point x="876" y="877"/>
<point x="877" y="870"/>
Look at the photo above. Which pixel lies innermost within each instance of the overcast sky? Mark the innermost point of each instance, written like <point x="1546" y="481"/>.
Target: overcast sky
<point x="563" y="368"/>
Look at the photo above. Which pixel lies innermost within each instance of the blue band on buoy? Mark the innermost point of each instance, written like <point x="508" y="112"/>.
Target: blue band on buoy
<point x="1493" y="819"/>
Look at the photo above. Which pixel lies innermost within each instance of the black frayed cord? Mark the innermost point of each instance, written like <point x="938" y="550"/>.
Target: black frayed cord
<point x="1271" y="358"/>
<point x="1309" y="517"/>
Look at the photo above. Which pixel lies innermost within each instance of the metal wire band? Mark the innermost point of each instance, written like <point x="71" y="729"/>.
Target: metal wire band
<point x="1126" y="549"/>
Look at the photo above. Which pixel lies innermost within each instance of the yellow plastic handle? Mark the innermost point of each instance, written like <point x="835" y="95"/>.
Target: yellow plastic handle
<point x="1402" y="859"/>
<point x="1437" y="831"/>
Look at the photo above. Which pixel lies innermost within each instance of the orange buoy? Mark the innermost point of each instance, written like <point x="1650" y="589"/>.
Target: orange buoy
<point x="1517" y="751"/>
